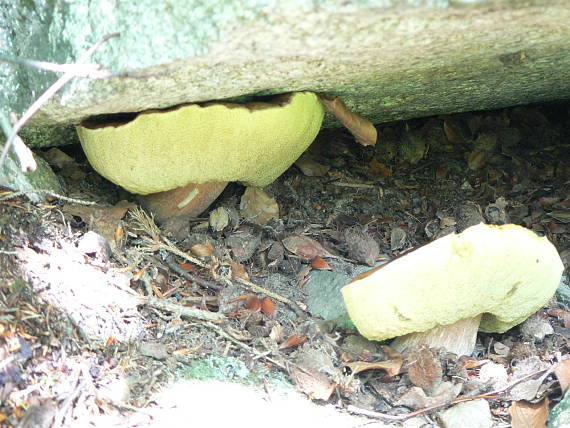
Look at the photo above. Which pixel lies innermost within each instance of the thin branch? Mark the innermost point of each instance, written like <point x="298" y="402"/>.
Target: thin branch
<point x="90" y="71"/>
<point x="23" y="153"/>
<point x="50" y="92"/>
<point x="403" y="417"/>
<point x="14" y="195"/>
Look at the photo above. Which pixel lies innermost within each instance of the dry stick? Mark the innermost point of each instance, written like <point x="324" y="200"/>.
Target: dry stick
<point x="185" y="311"/>
<point x="298" y="308"/>
<point x="242" y="345"/>
<point x="14" y="195"/>
<point x="186" y="275"/>
<point x="50" y="92"/>
<point x="379" y="415"/>
<point x="23" y="153"/>
<point x="89" y="71"/>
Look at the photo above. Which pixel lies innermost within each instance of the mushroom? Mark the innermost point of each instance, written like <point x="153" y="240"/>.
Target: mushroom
<point x="182" y="158"/>
<point x="487" y="278"/>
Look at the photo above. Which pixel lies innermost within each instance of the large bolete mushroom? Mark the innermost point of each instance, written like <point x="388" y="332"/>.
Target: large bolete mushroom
<point x="182" y="158"/>
<point x="487" y="278"/>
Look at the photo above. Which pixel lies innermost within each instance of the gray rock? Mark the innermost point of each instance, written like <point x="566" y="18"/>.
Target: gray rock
<point x="323" y="294"/>
<point x="43" y="177"/>
<point x="560" y="414"/>
<point x="389" y="59"/>
<point x="470" y="414"/>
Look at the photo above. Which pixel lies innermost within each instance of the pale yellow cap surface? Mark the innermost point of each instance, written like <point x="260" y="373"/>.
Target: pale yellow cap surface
<point x="162" y="150"/>
<point x="505" y="272"/>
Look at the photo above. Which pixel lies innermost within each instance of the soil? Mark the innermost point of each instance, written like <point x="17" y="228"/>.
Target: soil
<point x="106" y="320"/>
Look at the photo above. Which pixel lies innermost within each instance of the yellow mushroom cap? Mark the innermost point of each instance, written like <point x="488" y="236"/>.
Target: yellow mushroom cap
<point x="504" y="272"/>
<point x="162" y="150"/>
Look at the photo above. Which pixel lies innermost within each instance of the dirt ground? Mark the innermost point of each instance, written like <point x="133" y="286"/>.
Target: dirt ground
<point x="107" y="321"/>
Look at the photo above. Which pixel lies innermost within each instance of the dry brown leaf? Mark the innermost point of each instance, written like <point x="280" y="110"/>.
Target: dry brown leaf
<point x="561" y="314"/>
<point x="305" y="247"/>
<point x="476" y="160"/>
<point x="268" y="306"/>
<point x="202" y="250"/>
<point x="102" y="220"/>
<point x="320" y="263"/>
<point x="310" y="168"/>
<point x="253" y="303"/>
<point x="392" y="367"/>
<point x="416" y="398"/>
<point x="238" y="271"/>
<point x="454" y="131"/>
<point x="529" y="415"/>
<point x="293" y="340"/>
<point x="380" y="168"/>
<point x="562" y="372"/>
<point x="256" y="205"/>
<point x="119" y="233"/>
<point x="219" y="219"/>
<point x="362" y="129"/>
<point x="188" y="267"/>
<point x="424" y="368"/>
<point x="316" y="385"/>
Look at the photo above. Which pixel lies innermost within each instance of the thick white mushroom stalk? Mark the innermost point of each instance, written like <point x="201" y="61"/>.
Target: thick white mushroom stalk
<point x="487" y="278"/>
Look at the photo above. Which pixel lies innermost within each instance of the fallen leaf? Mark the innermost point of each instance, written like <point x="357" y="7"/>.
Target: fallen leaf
<point x="188" y="267"/>
<point x="253" y="303"/>
<point x="276" y="333"/>
<point x="305" y="247"/>
<point x="562" y="372"/>
<point x="293" y="340"/>
<point x="119" y="233"/>
<point x="238" y="271"/>
<point x="320" y="263"/>
<point x="392" y="367"/>
<point x="268" y="306"/>
<point x="362" y="129"/>
<point x="416" y="398"/>
<point x="454" y="131"/>
<point x="380" y="168"/>
<point x="316" y="385"/>
<point x="102" y="220"/>
<point x="424" y="368"/>
<point x="476" y="160"/>
<point x="315" y="373"/>
<point x="202" y="250"/>
<point x="560" y="314"/>
<point x="529" y="415"/>
<point x="310" y="168"/>
<point x="256" y="205"/>
<point x="219" y="219"/>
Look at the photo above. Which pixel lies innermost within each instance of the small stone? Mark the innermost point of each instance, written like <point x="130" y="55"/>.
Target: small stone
<point x="470" y="414"/>
<point x="154" y="350"/>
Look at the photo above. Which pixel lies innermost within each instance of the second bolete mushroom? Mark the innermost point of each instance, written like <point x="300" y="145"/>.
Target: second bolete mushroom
<point x="487" y="278"/>
<point x="182" y="158"/>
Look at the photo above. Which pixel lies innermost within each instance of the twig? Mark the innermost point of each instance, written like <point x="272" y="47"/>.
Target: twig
<point x="185" y="311"/>
<point x="403" y="417"/>
<point x="50" y="92"/>
<point x="299" y="308"/>
<point x="186" y="275"/>
<point x="89" y="71"/>
<point x="14" y="195"/>
<point x="242" y="345"/>
<point x="23" y="153"/>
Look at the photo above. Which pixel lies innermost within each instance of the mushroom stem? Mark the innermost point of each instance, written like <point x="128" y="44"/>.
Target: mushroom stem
<point x="458" y="337"/>
<point x="174" y="207"/>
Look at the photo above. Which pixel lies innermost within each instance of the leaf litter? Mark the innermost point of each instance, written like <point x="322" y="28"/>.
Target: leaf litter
<point x="366" y="204"/>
